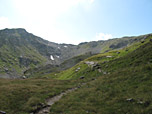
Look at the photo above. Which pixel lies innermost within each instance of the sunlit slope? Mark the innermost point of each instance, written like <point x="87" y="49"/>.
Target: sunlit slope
<point x="124" y="87"/>
<point x="103" y="63"/>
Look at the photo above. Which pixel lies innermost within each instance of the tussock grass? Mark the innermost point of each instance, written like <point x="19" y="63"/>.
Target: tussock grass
<point x="25" y="96"/>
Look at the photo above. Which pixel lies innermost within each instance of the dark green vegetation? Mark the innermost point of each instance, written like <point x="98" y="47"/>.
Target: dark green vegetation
<point x="118" y="81"/>
<point x="21" y="51"/>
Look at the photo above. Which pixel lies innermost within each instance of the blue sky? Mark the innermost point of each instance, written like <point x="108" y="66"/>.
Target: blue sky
<point x="75" y="21"/>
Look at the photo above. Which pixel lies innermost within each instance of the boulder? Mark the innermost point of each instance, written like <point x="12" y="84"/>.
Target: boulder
<point x="2" y="112"/>
<point x="24" y="77"/>
<point x="130" y="99"/>
<point x="150" y="40"/>
<point x="95" y="66"/>
<point x="89" y="63"/>
<point x="6" y="69"/>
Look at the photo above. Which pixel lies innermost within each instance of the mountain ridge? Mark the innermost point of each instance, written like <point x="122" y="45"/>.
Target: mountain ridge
<point x="21" y="50"/>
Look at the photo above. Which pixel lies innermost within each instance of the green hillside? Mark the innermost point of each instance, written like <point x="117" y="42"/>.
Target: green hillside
<point x="100" y="63"/>
<point x="124" y="88"/>
<point x="22" y="51"/>
<point x="114" y="82"/>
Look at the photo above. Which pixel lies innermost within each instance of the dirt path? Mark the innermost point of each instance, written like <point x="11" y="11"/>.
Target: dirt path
<point x="54" y="99"/>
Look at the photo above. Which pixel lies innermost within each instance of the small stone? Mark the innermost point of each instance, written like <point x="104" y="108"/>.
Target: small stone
<point x="46" y="111"/>
<point x="130" y="99"/>
<point x="78" y="68"/>
<point x="142" y="41"/>
<point x="106" y="66"/>
<point x="87" y="111"/>
<point x="147" y="103"/>
<point x="108" y="56"/>
<point x="93" y="79"/>
<point x="99" y="70"/>
<point x="79" y="86"/>
<point x="104" y="72"/>
<point x="82" y="77"/>
<point x="117" y="52"/>
<point x="140" y="102"/>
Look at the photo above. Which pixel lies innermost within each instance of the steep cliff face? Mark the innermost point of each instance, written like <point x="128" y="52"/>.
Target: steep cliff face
<point x="20" y="50"/>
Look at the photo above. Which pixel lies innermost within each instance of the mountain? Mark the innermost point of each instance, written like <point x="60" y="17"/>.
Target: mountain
<point x="21" y="51"/>
<point x="113" y="82"/>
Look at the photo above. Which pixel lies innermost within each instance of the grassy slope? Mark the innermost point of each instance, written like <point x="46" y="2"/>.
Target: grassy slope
<point x="9" y="58"/>
<point x="130" y="77"/>
<point x="86" y="71"/>
<point x="25" y="96"/>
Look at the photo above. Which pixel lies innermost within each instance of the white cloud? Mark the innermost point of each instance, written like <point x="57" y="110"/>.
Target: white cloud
<point x="49" y="8"/>
<point x="4" y="23"/>
<point x="102" y="36"/>
<point x="40" y="17"/>
<point x="91" y="1"/>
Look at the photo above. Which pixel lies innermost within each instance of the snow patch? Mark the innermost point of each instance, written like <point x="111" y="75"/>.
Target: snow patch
<point x="65" y="46"/>
<point x="51" y="57"/>
<point x="58" y="47"/>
